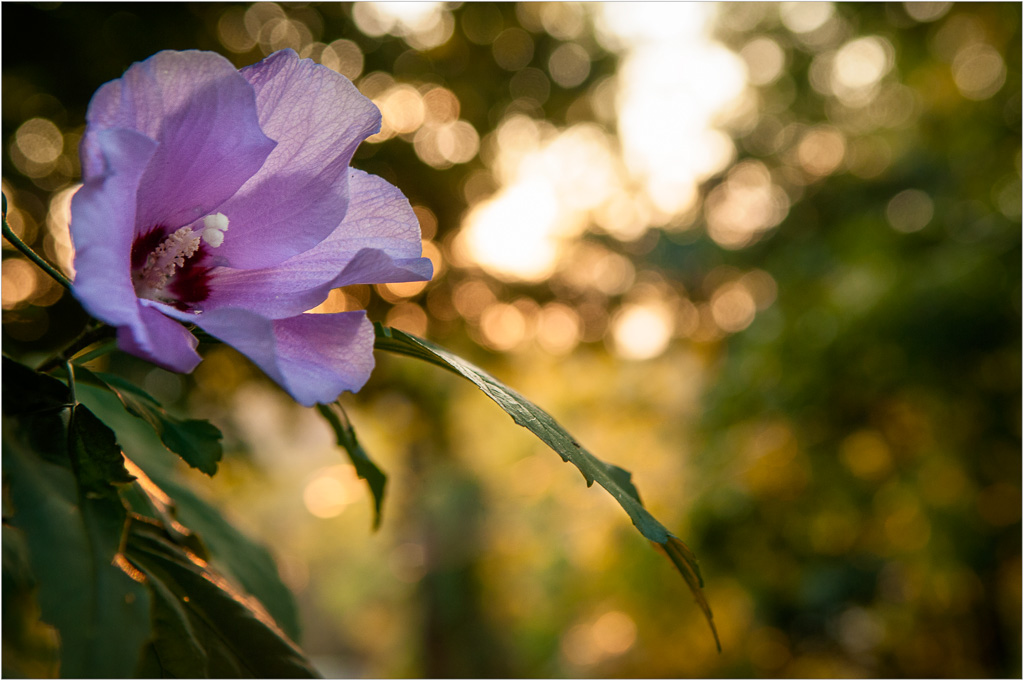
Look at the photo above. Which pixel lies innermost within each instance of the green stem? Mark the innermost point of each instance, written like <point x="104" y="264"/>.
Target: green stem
<point x="32" y="255"/>
<point x="84" y="340"/>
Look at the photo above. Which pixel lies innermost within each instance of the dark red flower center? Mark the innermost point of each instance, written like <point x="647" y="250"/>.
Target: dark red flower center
<point x="171" y="268"/>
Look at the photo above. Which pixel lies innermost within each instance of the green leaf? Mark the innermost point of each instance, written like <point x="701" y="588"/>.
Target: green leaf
<point x="73" y="540"/>
<point x="195" y="441"/>
<point x="244" y="560"/>
<point x="615" y="480"/>
<point x="42" y="405"/>
<point x="198" y="609"/>
<point x="99" y="459"/>
<point x="30" y="648"/>
<point x="365" y="467"/>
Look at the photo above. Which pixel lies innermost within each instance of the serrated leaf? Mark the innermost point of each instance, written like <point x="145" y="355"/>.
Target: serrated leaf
<point x="73" y="540"/>
<point x="236" y="635"/>
<point x="194" y="440"/>
<point x="616" y="481"/>
<point x="99" y="461"/>
<point x="365" y="467"/>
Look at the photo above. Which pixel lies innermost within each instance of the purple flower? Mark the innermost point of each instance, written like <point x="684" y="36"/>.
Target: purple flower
<point x="224" y="198"/>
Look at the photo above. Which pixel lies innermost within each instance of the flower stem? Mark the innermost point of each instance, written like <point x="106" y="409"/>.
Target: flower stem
<point x="30" y="254"/>
<point x="84" y="340"/>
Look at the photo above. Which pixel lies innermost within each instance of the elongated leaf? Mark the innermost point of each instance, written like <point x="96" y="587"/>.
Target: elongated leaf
<point x="365" y="467"/>
<point x="237" y="637"/>
<point x="73" y="539"/>
<point x="615" y="480"/>
<point x="194" y="440"/>
<point x="242" y="559"/>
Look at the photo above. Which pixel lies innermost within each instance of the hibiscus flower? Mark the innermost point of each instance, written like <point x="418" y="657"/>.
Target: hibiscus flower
<point x="223" y="198"/>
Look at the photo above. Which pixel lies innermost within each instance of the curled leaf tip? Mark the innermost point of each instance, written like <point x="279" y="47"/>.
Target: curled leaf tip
<point x="684" y="560"/>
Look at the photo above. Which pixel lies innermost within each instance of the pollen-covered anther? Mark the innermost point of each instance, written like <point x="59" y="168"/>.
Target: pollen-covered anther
<point x="214" y="227"/>
<point x="169" y="256"/>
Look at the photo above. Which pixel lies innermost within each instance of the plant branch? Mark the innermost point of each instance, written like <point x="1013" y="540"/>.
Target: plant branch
<point x="30" y="254"/>
<point x="84" y="340"/>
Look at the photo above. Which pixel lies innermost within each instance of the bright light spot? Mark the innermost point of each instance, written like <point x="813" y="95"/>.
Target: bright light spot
<point x="764" y="59"/>
<point x="558" y="328"/>
<point x="804" y="17"/>
<point x="821" y="150"/>
<point x="623" y="25"/>
<point x="762" y="287"/>
<point x="57" y="243"/>
<point x="747" y="204"/>
<point x="343" y="56"/>
<point x="503" y="326"/>
<point x="858" y="67"/>
<point x="614" y="632"/>
<point x="563" y="20"/>
<point x="402" y="109"/>
<point x="910" y="211"/>
<point x="288" y="33"/>
<point x="552" y="187"/>
<point x="40" y="143"/>
<point x="733" y="307"/>
<point x="408" y="317"/>
<point x="979" y="71"/>
<point x="444" y="145"/>
<point x="423" y="25"/>
<point x="515" y="233"/>
<point x="927" y="11"/>
<point x="232" y="32"/>
<point x="569" y="65"/>
<point x="330" y="491"/>
<point x="590" y="266"/>
<point x="472" y="297"/>
<point x="670" y="94"/>
<point x="442" y="106"/>
<point x="673" y="88"/>
<point x="642" y="331"/>
<point x="405" y="289"/>
<point x="19" y="281"/>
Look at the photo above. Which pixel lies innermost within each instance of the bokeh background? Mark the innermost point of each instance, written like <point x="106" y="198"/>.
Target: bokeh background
<point x="765" y="256"/>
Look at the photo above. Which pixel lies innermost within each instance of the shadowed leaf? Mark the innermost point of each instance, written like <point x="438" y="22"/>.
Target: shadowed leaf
<point x="250" y="564"/>
<point x="199" y="610"/>
<point x="73" y="534"/>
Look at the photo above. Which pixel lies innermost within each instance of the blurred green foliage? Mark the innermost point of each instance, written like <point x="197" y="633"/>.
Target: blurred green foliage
<point x="847" y="467"/>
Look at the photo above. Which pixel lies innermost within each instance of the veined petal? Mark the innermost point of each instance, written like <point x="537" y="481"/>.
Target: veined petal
<point x="315" y="357"/>
<point x="379" y="241"/>
<point x="102" y="220"/>
<point x="202" y="112"/>
<point x="161" y="340"/>
<point x="299" y="196"/>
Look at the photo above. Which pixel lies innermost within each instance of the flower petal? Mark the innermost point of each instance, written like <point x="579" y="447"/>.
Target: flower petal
<point x="300" y="194"/>
<point x="315" y="357"/>
<point x="378" y="242"/>
<point x="102" y="219"/>
<point x="161" y="340"/>
<point x="203" y="114"/>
